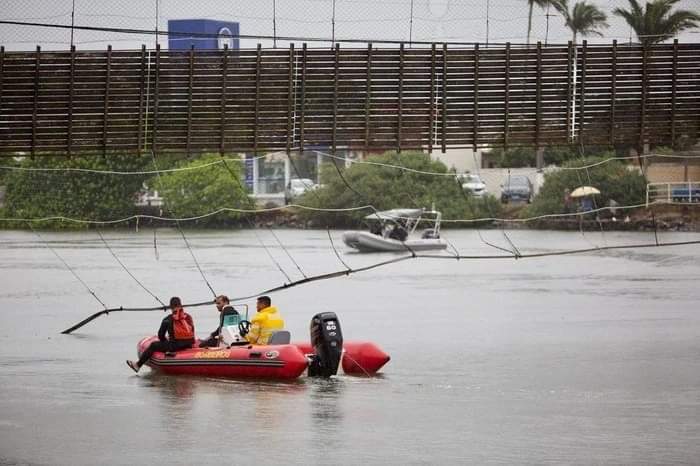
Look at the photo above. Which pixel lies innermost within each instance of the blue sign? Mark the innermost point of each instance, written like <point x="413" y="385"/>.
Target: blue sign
<point x="219" y="33"/>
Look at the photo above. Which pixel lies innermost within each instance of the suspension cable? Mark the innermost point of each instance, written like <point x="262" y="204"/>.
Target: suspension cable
<point x="252" y="225"/>
<point x="75" y="274"/>
<point x="287" y="252"/>
<point x="126" y="269"/>
<point x="182" y="233"/>
<point x="341" y="273"/>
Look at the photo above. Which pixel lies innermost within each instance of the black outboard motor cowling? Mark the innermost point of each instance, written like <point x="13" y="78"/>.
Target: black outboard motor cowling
<point x="327" y="341"/>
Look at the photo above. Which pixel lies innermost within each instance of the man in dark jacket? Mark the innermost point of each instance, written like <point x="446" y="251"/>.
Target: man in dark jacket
<point x="225" y="309"/>
<point x="176" y="333"/>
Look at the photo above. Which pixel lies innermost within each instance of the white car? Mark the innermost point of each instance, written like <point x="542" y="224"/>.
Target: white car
<point x="474" y="185"/>
<point x="298" y="186"/>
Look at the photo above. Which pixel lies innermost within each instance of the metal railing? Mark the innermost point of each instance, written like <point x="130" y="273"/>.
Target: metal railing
<point x="676" y="192"/>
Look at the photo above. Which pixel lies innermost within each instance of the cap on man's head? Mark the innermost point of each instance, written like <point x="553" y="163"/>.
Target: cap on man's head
<point x="175" y="302"/>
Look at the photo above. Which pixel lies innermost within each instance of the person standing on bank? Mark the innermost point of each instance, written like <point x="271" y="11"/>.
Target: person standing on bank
<point x="225" y="309"/>
<point x="176" y="333"/>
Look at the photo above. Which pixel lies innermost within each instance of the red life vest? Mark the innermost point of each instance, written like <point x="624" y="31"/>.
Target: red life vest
<point x="183" y="328"/>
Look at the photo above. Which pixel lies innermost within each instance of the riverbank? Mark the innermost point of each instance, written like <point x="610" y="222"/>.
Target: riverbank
<point x="662" y="217"/>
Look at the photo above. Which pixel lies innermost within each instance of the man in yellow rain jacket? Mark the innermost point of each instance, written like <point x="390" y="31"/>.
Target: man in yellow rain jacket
<point x="266" y="321"/>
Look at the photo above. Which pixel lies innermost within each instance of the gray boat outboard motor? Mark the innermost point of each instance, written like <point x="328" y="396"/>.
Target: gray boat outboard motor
<point x="327" y="342"/>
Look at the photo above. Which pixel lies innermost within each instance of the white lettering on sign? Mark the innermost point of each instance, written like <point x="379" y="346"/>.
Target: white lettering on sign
<point x="225" y="38"/>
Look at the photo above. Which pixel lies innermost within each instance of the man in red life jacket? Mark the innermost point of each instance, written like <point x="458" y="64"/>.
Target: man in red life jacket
<point x="176" y="333"/>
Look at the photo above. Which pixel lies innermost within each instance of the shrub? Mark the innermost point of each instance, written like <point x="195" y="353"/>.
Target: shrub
<point x="191" y="193"/>
<point x="389" y="188"/>
<point x="614" y="180"/>
<point x="83" y="195"/>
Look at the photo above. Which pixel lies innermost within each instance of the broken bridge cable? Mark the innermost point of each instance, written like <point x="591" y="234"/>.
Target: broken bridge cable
<point x="284" y="286"/>
<point x="514" y="251"/>
<point x="182" y="233"/>
<point x="320" y="202"/>
<point x="111" y="251"/>
<point x="252" y="225"/>
<point x="337" y="254"/>
<point x="284" y="248"/>
<point x="341" y="273"/>
<point x="65" y="263"/>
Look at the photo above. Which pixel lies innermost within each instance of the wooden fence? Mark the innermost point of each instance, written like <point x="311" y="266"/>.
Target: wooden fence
<point x="290" y="99"/>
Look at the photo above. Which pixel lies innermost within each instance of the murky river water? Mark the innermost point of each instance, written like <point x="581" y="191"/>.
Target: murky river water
<point x="583" y="359"/>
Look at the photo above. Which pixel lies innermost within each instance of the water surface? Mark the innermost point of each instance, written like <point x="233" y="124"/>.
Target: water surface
<point x="582" y="359"/>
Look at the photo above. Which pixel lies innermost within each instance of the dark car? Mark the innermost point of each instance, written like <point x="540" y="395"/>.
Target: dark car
<point x="516" y="188"/>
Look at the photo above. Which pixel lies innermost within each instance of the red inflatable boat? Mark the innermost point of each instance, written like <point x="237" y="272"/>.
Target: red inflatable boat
<point x="321" y="357"/>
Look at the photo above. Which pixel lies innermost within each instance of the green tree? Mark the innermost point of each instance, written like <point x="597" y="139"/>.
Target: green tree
<point x="656" y="22"/>
<point x="518" y="157"/>
<point x="583" y="18"/>
<point x="388" y="188"/>
<point x="81" y="194"/>
<point x="191" y="193"/>
<point x="540" y="3"/>
<point x="614" y="180"/>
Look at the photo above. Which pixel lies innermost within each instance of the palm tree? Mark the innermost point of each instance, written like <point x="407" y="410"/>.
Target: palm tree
<point x="584" y="18"/>
<point x="655" y="22"/>
<point x="540" y="3"/>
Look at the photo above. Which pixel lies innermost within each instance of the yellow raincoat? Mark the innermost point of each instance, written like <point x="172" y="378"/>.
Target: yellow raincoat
<point x="263" y="324"/>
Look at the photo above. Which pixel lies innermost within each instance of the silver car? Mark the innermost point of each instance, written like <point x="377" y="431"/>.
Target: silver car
<point x="473" y="185"/>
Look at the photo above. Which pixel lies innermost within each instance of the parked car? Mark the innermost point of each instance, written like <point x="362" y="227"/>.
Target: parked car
<point x="473" y="184"/>
<point x="296" y="187"/>
<point x="517" y="188"/>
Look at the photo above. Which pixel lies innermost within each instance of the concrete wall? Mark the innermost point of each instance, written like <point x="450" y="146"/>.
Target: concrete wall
<point x="462" y="160"/>
<point x="671" y="173"/>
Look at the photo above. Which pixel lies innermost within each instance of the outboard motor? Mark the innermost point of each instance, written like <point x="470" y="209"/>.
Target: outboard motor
<point x="327" y="342"/>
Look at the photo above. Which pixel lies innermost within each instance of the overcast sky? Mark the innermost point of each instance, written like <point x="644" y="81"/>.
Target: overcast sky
<point x="433" y="20"/>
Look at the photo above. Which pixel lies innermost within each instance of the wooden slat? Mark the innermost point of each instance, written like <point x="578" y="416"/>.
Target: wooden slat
<point x="538" y="97"/>
<point x="156" y="95"/>
<point x="570" y="92"/>
<point x="506" y="110"/>
<point x="399" y="122"/>
<point x="290" y="99"/>
<point x="222" y="101"/>
<point x="368" y="96"/>
<point x="71" y="96"/>
<point x="334" y="131"/>
<point x="431" y="123"/>
<point x="366" y="99"/>
<point x="105" y="117"/>
<point x="142" y="96"/>
<point x="643" y="109"/>
<point x="258" y="75"/>
<point x="36" y="101"/>
<point x="2" y="75"/>
<point x="443" y="141"/>
<point x="190" y="86"/>
<point x="674" y="92"/>
<point x="613" y="92"/>
<point x="302" y="113"/>
<point x="582" y="103"/>
<point x="475" y="115"/>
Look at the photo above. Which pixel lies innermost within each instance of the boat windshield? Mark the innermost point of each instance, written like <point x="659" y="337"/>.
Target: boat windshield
<point x="395" y="214"/>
